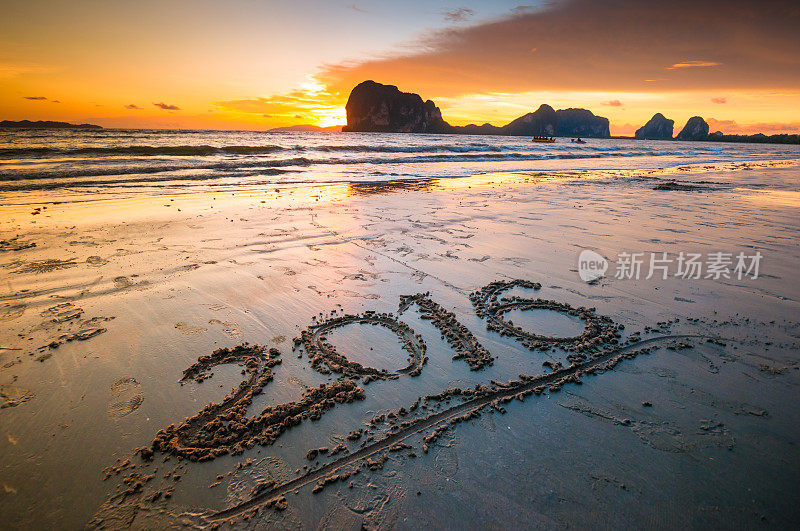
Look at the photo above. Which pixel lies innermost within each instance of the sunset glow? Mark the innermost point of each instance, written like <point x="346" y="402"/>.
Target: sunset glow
<point x="256" y="65"/>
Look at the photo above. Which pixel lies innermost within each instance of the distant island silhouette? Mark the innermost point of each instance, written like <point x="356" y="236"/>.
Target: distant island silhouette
<point x="305" y="128"/>
<point x="44" y="124"/>
<point x="375" y="107"/>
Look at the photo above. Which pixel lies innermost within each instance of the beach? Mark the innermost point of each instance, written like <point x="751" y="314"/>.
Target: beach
<point x="114" y="283"/>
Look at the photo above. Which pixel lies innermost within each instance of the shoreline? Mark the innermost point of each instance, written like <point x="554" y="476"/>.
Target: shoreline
<point x="737" y="138"/>
<point x="410" y="184"/>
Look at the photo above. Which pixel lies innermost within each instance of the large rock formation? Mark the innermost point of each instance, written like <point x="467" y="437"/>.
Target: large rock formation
<point x="541" y="122"/>
<point x="580" y="122"/>
<point x="546" y="122"/>
<point x="373" y="107"/>
<point x="695" y="129"/>
<point x="658" y="128"/>
<point x="472" y="129"/>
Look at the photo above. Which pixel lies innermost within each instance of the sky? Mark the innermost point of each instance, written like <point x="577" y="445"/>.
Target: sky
<point x="257" y="64"/>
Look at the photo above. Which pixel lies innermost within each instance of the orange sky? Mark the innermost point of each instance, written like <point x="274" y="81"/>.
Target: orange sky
<point x="250" y="64"/>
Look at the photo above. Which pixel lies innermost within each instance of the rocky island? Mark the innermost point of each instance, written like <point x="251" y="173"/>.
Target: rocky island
<point x="581" y="123"/>
<point x="657" y="128"/>
<point x="374" y="107"/>
<point x="695" y="129"/>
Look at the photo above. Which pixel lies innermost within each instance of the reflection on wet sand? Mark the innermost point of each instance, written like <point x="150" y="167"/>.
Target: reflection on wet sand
<point x="374" y="188"/>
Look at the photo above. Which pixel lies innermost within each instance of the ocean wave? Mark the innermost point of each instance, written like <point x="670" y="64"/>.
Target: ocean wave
<point x="136" y="180"/>
<point x="422" y="148"/>
<point x="71" y="169"/>
<point x="156" y="159"/>
<point x="475" y="149"/>
<point x="101" y="171"/>
<point x="472" y="149"/>
<point x="151" y="151"/>
<point x="207" y="150"/>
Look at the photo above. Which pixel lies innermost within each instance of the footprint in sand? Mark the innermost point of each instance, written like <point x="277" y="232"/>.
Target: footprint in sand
<point x="126" y="397"/>
<point x="229" y="329"/>
<point x="11" y="395"/>
<point x="123" y="282"/>
<point x="9" y="312"/>
<point x="96" y="261"/>
<point x="190" y="330"/>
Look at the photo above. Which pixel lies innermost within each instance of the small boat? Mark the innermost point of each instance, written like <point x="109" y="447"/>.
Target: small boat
<point x="543" y="139"/>
<point x="578" y="141"/>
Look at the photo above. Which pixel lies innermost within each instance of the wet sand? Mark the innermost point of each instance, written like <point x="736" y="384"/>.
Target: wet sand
<point x="121" y="320"/>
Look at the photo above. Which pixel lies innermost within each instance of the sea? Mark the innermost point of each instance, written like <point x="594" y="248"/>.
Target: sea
<point x="126" y="162"/>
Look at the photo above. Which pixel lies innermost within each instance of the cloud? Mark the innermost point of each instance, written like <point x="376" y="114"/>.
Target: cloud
<point x="134" y="106"/>
<point x="458" y="15"/>
<point x="693" y="64"/>
<point x="613" y="103"/>
<point x="521" y="9"/>
<point x="35" y="98"/>
<point x="719" y="100"/>
<point x="167" y="107"/>
<point x="732" y="127"/>
<point x="55" y="101"/>
<point x="600" y="46"/>
<point x="280" y="104"/>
